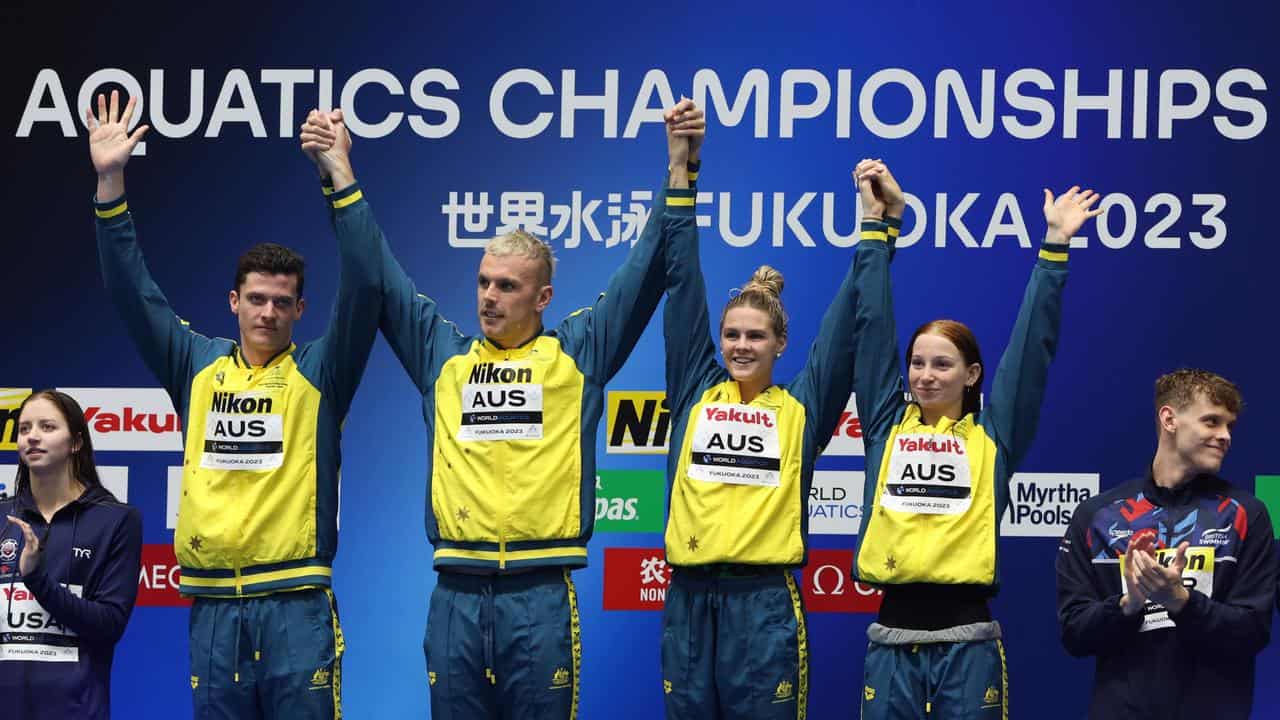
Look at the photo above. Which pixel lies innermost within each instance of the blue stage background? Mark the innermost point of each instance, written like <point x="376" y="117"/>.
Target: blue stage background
<point x="1130" y="314"/>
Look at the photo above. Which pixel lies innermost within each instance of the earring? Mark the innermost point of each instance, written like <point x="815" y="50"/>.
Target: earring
<point x="779" y="355"/>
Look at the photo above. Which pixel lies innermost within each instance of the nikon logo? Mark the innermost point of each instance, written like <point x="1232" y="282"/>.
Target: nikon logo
<point x="225" y="402"/>
<point x="639" y="422"/>
<point x="495" y="373"/>
<point x="10" y="402"/>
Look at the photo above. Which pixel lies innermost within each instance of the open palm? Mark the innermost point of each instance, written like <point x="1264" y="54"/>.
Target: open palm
<point x="1066" y="214"/>
<point x="110" y="143"/>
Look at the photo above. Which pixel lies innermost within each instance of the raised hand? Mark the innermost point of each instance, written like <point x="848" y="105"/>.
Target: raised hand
<point x="110" y="143"/>
<point x="881" y="195"/>
<point x="327" y="142"/>
<point x="1066" y="214"/>
<point x="30" y="547"/>
<point x="678" y="141"/>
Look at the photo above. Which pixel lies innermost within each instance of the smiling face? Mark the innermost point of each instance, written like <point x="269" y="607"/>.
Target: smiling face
<point x="45" y="442"/>
<point x="749" y="345"/>
<point x="266" y="307"/>
<point x="511" y="293"/>
<point x="938" y="375"/>
<point x="1201" y="433"/>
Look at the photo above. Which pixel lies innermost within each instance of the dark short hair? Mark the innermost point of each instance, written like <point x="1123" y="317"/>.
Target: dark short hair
<point x="269" y="259"/>
<point x="82" y="465"/>
<point x="1179" y="389"/>
<point x="962" y="337"/>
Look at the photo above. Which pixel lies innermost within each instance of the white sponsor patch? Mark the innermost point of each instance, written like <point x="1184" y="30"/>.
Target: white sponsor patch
<point x="1197" y="575"/>
<point x="736" y="444"/>
<point x="243" y="431"/>
<point x="116" y="479"/>
<point x="835" y="502"/>
<point x="173" y="496"/>
<point x="501" y="411"/>
<point x="928" y="474"/>
<point x="129" y="418"/>
<point x="1041" y="504"/>
<point x="29" y="632"/>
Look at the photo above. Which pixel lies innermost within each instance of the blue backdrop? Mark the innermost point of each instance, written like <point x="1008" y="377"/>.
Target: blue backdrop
<point x="1164" y="109"/>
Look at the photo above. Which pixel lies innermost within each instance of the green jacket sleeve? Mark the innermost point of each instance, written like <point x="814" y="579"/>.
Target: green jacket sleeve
<point x="353" y="325"/>
<point x="877" y="380"/>
<point x="827" y="376"/>
<point x="1020" y="380"/>
<point x="602" y="336"/>
<point x="167" y="344"/>
<point x="686" y="322"/>
<point x="418" y="334"/>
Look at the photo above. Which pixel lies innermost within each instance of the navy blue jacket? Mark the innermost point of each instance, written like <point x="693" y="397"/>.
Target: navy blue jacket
<point x="63" y="619"/>
<point x="1199" y="662"/>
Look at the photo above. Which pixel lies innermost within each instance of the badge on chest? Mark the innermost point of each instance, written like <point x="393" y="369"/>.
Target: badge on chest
<point x="244" y="431"/>
<point x="928" y="474"/>
<point x="29" y="632"/>
<point x="736" y="444"/>
<point x="501" y="401"/>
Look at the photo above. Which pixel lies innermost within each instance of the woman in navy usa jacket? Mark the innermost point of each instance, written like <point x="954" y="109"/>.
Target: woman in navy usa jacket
<point x="69" y="560"/>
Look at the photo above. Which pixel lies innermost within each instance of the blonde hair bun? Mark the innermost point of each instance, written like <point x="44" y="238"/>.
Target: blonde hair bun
<point x="765" y="279"/>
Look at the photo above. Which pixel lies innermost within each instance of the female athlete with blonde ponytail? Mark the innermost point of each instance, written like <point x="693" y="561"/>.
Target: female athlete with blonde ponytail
<point x="741" y="462"/>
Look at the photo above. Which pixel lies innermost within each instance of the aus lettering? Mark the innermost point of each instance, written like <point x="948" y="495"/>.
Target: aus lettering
<point x="736" y="442"/>
<point x="499" y="398"/>
<point x="924" y="471"/>
<point x="239" y="428"/>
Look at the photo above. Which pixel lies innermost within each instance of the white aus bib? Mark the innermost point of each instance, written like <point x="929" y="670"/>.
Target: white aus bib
<point x="928" y="474"/>
<point x="503" y="405"/>
<point x="736" y="444"/>
<point x="244" y="431"/>
<point x="29" y="632"/>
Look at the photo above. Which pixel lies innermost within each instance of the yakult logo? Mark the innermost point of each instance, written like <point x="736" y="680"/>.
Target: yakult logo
<point x="753" y="417"/>
<point x="129" y="418"/>
<point x="931" y="444"/>
<point x="828" y="586"/>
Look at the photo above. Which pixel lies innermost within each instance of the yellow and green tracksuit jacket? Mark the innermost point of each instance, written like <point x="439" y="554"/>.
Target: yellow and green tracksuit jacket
<point x="934" y="494"/>
<point x="511" y="431"/>
<point x="259" y="506"/>
<point x="739" y="484"/>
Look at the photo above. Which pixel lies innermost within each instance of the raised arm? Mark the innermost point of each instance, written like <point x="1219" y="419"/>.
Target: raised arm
<point x="607" y="332"/>
<point x="353" y="325"/>
<point x="686" y="325"/>
<point x="166" y="342"/>
<point x="877" y="380"/>
<point x="1020" y="380"/>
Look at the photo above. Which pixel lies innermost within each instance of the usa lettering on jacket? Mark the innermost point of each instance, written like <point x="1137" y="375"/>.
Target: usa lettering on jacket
<point x="501" y="401"/>
<point x="736" y="444"/>
<point x="29" y="632"/>
<point x="928" y="474"/>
